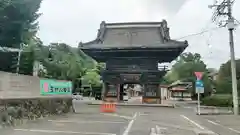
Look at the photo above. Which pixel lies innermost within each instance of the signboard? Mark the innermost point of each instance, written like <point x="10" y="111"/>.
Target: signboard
<point x="199" y="75"/>
<point x="199" y="86"/>
<point x="131" y="77"/>
<point x="54" y="87"/>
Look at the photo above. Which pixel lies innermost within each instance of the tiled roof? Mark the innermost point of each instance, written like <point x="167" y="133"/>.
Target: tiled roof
<point x="162" y="26"/>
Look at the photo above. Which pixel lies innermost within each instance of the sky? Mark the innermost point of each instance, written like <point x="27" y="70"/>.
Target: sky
<point x="73" y="21"/>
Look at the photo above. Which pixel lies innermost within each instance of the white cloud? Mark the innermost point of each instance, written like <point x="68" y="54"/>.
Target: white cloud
<point x="194" y="17"/>
<point x="72" y="21"/>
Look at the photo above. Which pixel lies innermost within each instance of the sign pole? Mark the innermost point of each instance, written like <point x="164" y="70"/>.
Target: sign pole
<point x="199" y="89"/>
<point x="199" y="104"/>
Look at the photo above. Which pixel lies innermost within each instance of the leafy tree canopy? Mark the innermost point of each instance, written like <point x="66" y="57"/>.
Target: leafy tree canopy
<point x="185" y="67"/>
<point x="18" y="21"/>
<point x="92" y="78"/>
<point x="224" y="80"/>
<point x="18" y="25"/>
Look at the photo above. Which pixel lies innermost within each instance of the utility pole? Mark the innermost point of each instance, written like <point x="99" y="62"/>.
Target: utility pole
<point x="224" y="9"/>
<point x="19" y="58"/>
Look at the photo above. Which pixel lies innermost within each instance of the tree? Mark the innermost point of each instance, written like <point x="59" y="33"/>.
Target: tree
<point x="187" y="64"/>
<point x="18" y="21"/>
<point x="224" y="80"/>
<point x="64" y="62"/>
<point x="18" y="25"/>
<point x="93" y="80"/>
<point x="170" y="77"/>
<point x="27" y="61"/>
<point x="184" y="69"/>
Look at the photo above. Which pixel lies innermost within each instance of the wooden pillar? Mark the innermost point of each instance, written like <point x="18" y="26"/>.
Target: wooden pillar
<point x="104" y="91"/>
<point x="118" y="92"/>
<point x="159" y="94"/>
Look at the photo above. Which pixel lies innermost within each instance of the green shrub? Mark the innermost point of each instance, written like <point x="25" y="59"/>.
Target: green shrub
<point x="220" y="100"/>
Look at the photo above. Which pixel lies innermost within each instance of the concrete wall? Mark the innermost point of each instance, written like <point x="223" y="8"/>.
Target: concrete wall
<point x="164" y="93"/>
<point x="20" y="86"/>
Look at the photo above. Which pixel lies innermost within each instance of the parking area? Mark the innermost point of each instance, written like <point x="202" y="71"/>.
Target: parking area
<point x="80" y="124"/>
<point x="164" y="121"/>
<point x="128" y="120"/>
<point x="229" y="124"/>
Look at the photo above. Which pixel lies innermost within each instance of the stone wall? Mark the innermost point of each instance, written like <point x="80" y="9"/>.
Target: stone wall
<point x="14" y="86"/>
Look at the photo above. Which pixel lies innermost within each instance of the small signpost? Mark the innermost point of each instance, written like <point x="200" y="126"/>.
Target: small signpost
<point x="199" y="87"/>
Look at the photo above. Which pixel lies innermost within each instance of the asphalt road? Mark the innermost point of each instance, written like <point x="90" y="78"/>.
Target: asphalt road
<point x="128" y="121"/>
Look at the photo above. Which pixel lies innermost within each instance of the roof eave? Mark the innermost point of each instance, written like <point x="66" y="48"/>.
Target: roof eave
<point x="180" y="44"/>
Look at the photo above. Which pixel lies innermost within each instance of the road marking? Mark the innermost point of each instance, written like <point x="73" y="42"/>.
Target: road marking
<point x="85" y="122"/>
<point x="130" y="124"/>
<point x="159" y="128"/>
<point x="213" y="122"/>
<point x="234" y="130"/>
<point x="143" y="114"/>
<point x="65" y="132"/>
<point x="172" y="126"/>
<point x="116" y="115"/>
<point x="193" y="122"/>
<point x="187" y="107"/>
<point x="156" y="130"/>
<point x="60" y="124"/>
<point x="153" y="131"/>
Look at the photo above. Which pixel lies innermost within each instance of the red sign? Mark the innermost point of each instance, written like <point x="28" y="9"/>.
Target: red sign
<point x="199" y="75"/>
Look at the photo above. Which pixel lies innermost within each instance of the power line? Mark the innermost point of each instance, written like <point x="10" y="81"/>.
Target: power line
<point x="199" y="33"/>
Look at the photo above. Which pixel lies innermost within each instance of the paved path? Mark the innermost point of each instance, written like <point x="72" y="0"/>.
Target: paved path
<point x="79" y="124"/>
<point x="89" y="121"/>
<point x="128" y="121"/>
<point x="223" y="124"/>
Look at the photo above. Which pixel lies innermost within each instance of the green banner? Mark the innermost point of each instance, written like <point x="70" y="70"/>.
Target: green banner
<point x="54" y="87"/>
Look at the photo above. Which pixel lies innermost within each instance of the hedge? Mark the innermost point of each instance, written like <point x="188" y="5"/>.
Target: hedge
<point x="220" y="100"/>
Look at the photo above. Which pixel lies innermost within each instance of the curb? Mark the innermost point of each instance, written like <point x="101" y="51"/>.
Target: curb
<point x="136" y="105"/>
<point x="215" y="113"/>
